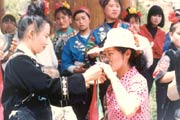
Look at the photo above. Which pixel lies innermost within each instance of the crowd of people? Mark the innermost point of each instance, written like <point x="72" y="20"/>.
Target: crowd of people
<point x="125" y="57"/>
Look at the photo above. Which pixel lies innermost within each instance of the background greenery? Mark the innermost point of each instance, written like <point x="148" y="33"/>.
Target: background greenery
<point x="16" y="7"/>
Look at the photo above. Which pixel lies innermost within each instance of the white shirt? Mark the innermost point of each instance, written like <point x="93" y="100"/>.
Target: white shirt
<point x="48" y="57"/>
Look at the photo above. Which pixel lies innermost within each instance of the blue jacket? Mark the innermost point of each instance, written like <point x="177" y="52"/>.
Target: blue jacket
<point x="167" y="42"/>
<point x="74" y="51"/>
<point x="100" y="32"/>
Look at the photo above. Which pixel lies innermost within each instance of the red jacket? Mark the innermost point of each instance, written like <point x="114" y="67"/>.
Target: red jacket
<point x="157" y="41"/>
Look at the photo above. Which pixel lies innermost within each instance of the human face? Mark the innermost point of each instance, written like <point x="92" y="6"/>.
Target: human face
<point x="63" y="21"/>
<point x="156" y="19"/>
<point x="175" y="36"/>
<point x="8" y="27"/>
<point x="112" y="11"/>
<point x="134" y="24"/>
<point x="116" y="59"/>
<point x="40" y="40"/>
<point x="82" y="21"/>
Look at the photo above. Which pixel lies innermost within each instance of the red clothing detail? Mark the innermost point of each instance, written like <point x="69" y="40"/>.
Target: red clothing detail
<point x="93" y="110"/>
<point x="1" y="89"/>
<point x="158" y="40"/>
<point x="135" y="84"/>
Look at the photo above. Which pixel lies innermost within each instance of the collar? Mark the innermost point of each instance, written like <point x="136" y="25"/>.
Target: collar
<point x="68" y="31"/>
<point x="26" y="50"/>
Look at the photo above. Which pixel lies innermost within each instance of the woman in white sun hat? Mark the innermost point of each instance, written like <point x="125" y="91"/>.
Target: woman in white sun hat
<point x="127" y="95"/>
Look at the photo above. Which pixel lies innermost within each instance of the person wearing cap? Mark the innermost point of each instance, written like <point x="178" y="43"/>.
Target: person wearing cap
<point x="73" y="53"/>
<point x="133" y="17"/>
<point x="127" y="95"/>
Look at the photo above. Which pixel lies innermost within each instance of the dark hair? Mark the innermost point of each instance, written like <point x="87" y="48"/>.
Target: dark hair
<point x="34" y="16"/>
<point x="36" y="8"/>
<point x="63" y="10"/>
<point x="9" y="17"/>
<point x="177" y="10"/>
<point x="155" y="10"/>
<point x="103" y="3"/>
<point x="129" y="16"/>
<point x="80" y="11"/>
<point x="27" y="20"/>
<point x="137" y="60"/>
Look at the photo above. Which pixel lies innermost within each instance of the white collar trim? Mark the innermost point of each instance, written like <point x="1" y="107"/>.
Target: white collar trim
<point x="26" y="50"/>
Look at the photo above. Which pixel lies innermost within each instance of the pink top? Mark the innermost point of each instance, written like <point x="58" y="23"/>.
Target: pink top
<point x="136" y="84"/>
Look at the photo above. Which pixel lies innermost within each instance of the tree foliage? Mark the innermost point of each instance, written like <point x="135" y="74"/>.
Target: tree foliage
<point x="16" y="7"/>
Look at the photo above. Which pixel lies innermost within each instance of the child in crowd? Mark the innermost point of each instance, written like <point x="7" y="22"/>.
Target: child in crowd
<point x="133" y="17"/>
<point x="73" y="55"/>
<point x="111" y="10"/>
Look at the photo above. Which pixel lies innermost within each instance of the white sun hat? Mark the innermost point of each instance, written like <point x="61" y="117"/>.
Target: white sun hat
<point x="120" y="37"/>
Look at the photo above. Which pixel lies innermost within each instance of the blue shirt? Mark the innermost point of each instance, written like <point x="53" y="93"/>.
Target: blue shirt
<point x="74" y="51"/>
<point x="100" y="32"/>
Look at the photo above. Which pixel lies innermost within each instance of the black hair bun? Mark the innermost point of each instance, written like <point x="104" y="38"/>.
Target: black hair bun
<point x="36" y="8"/>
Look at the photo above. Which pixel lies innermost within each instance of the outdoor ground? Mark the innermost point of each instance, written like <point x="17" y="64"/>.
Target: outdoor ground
<point x="153" y="103"/>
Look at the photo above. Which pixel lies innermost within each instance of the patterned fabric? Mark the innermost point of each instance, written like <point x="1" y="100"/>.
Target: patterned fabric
<point x="74" y="52"/>
<point x="166" y="63"/>
<point x="162" y="67"/>
<point x="60" y="40"/>
<point x="100" y="32"/>
<point x="136" y="85"/>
